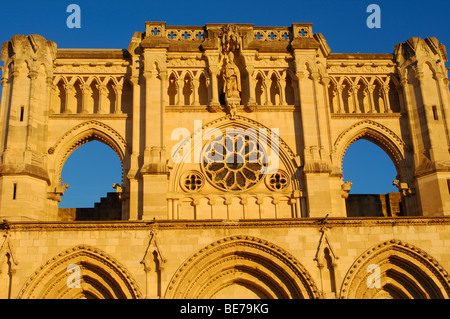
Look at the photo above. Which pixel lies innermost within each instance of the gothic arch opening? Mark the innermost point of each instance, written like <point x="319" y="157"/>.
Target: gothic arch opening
<point x="371" y="173"/>
<point x="91" y="171"/>
<point x="395" y="270"/>
<point x="106" y="152"/>
<point x="203" y="90"/>
<point x="187" y="89"/>
<point x="389" y="200"/>
<point x="290" y="89"/>
<point x="242" y="264"/>
<point x="172" y="89"/>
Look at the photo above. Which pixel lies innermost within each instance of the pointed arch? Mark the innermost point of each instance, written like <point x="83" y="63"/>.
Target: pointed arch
<point x="193" y="142"/>
<point x="76" y="78"/>
<point x="81" y="134"/>
<point x="380" y="135"/>
<point x="260" y="89"/>
<point x="241" y="260"/>
<point x="404" y="271"/>
<point x="172" y="87"/>
<point x="203" y="97"/>
<point x="101" y="276"/>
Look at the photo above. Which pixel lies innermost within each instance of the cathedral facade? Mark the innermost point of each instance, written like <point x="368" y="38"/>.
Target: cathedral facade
<point x="231" y="139"/>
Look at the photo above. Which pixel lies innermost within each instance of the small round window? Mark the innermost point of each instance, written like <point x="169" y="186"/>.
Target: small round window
<point x="192" y="181"/>
<point x="278" y="181"/>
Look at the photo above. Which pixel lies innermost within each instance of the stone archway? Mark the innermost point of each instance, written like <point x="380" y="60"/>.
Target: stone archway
<point x="101" y="277"/>
<point x="242" y="265"/>
<point x="380" y="135"/>
<point x="81" y="134"/>
<point x="395" y="269"/>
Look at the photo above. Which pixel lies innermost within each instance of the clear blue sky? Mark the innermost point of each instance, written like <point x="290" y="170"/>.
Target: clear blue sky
<point x="110" y="24"/>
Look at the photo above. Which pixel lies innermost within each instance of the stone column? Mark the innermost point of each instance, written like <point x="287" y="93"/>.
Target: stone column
<point x="266" y="86"/>
<point x="213" y="60"/>
<point x="214" y="87"/>
<point x="195" y="86"/>
<point x="180" y="87"/>
<point x="370" y="89"/>
<point x="102" y="94"/>
<point x="355" y="89"/>
<point x="340" y="106"/>
<point x="118" y="106"/>
<point x="387" y="104"/>
<point x="282" y="86"/>
<point x="135" y="150"/>
<point x="87" y="93"/>
<point x="250" y="86"/>
<point x="70" y="95"/>
<point x="53" y="93"/>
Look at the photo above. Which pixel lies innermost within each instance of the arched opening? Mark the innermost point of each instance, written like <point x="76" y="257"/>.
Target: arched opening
<point x="243" y="265"/>
<point x="172" y="89"/>
<point x="81" y="272"/>
<point x="95" y="97"/>
<point x="362" y="103"/>
<point x="127" y="97"/>
<point x="111" y="98"/>
<point x="203" y="90"/>
<point x="274" y="90"/>
<point x="378" y="99"/>
<point x="394" y="98"/>
<point x="187" y="89"/>
<point x="91" y="171"/>
<point x="259" y="90"/>
<point x="333" y="97"/>
<point x="347" y="97"/>
<point x="60" y="97"/>
<point x="78" y="96"/>
<point x="395" y="270"/>
<point x="289" y="90"/>
<point x="371" y="172"/>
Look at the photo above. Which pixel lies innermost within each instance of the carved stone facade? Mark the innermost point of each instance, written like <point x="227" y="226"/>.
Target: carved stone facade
<point x="279" y="110"/>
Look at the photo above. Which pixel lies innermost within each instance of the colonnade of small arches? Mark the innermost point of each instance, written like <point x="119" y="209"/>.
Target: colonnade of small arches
<point x="113" y="94"/>
<point x="91" y="95"/>
<point x="364" y="94"/>
<point x="264" y="87"/>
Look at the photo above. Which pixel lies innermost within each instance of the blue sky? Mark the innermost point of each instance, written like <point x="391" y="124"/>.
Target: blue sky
<point x="110" y="24"/>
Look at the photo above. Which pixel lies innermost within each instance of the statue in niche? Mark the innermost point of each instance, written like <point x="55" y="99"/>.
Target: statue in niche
<point x="232" y="84"/>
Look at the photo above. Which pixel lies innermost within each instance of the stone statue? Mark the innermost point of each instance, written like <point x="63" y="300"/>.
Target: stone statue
<point x="232" y="84"/>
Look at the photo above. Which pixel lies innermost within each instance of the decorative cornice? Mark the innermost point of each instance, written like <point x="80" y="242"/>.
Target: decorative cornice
<point x="225" y="224"/>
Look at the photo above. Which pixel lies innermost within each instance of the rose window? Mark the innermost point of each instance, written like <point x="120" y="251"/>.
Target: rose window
<point x="234" y="162"/>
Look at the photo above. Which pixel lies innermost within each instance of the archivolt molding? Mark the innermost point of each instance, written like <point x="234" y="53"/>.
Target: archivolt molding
<point x="390" y="142"/>
<point x="104" y="275"/>
<point x="83" y="133"/>
<point x="227" y="259"/>
<point x="393" y="257"/>
<point x="287" y="156"/>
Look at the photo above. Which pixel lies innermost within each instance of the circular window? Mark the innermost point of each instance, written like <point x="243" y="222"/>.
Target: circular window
<point x="234" y="162"/>
<point x="278" y="181"/>
<point x="192" y="181"/>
